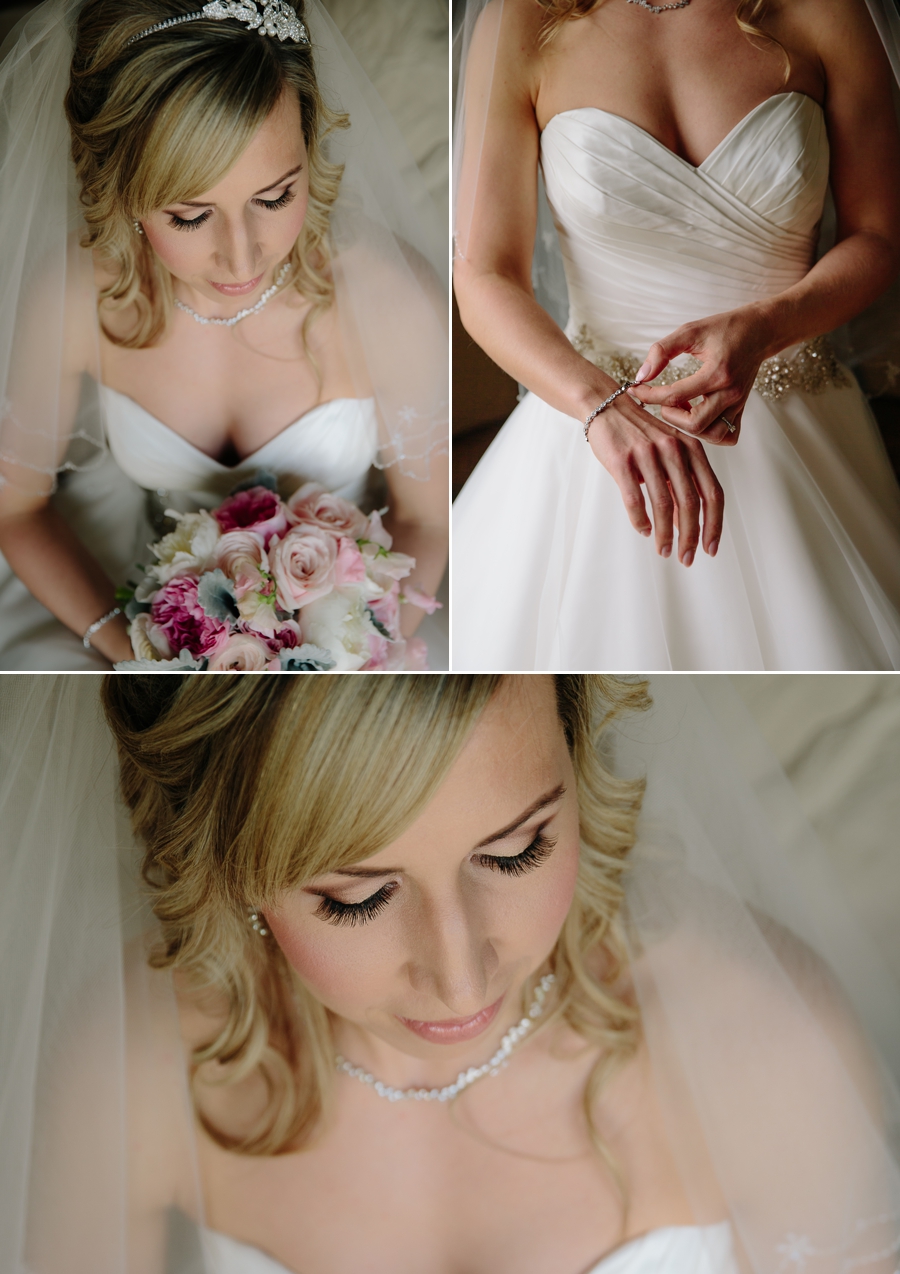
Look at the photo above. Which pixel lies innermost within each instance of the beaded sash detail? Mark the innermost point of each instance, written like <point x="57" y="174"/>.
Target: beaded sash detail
<point x="814" y="368"/>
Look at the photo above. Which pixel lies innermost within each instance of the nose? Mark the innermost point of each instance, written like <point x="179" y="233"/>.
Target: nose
<point x="237" y="249"/>
<point x="453" y="959"/>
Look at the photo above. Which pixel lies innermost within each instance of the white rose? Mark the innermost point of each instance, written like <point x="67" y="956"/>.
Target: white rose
<point x="189" y="549"/>
<point x="339" y="622"/>
<point x="244" y="653"/>
<point x="148" y="641"/>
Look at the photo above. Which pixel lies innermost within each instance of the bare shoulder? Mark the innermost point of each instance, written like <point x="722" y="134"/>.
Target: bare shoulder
<point x="506" y="46"/>
<point x="840" y="33"/>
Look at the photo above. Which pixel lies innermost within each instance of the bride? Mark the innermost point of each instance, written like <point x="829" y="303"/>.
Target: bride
<point x="233" y="276"/>
<point x="446" y="974"/>
<point x="686" y="151"/>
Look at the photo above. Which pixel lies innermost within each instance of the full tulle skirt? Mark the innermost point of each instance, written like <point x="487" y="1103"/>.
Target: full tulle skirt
<point x="548" y="573"/>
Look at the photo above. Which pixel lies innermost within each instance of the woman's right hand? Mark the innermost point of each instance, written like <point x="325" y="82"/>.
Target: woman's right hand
<point x="638" y="450"/>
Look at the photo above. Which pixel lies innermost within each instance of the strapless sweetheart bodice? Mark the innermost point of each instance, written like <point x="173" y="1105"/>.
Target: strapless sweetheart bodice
<point x="680" y="1249"/>
<point x="334" y="444"/>
<point x="649" y="241"/>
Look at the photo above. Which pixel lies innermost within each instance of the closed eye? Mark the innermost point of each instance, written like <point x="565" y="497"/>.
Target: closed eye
<point x="355" y="913"/>
<point x="532" y="856"/>
<point x="181" y="223"/>
<point x="281" y="202"/>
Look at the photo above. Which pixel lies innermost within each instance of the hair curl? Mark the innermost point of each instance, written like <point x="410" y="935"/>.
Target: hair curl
<point x="242" y="787"/>
<point x="163" y="120"/>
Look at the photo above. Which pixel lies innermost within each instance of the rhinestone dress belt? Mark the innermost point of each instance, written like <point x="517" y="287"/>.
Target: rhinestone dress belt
<point x="814" y="368"/>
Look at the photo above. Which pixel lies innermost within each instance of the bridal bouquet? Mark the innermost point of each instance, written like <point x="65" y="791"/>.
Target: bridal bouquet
<point x="260" y="585"/>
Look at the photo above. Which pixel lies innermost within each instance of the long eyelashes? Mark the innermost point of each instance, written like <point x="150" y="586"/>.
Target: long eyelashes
<point x="536" y="853"/>
<point x="354" y="913"/>
<point x="181" y="223"/>
<point x="281" y="202"/>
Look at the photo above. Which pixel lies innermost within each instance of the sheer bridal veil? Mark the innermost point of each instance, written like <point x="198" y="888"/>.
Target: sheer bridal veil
<point x="773" y="1031"/>
<point x="389" y="263"/>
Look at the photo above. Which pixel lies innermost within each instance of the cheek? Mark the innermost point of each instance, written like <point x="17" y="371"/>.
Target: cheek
<point x="552" y="897"/>
<point x="294" y="215"/>
<point x="179" y="250"/>
<point x="348" y="970"/>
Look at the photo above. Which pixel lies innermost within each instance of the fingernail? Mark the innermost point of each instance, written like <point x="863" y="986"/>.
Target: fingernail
<point x="666" y="550"/>
<point x="645" y="530"/>
<point x="714" y="548"/>
<point x="688" y="558"/>
<point x="642" y="373"/>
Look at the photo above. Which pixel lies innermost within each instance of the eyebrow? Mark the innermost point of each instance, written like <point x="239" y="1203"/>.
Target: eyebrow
<point x="190" y="203"/>
<point x="542" y="803"/>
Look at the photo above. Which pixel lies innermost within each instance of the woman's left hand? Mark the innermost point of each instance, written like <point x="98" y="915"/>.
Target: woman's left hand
<point x="731" y="347"/>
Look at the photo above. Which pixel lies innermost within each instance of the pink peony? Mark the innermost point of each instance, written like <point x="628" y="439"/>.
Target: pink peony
<point x="314" y="505"/>
<point x="287" y="637"/>
<point x="178" y="615"/>
<point x="258" y="509"/>
<point x="242" y="556"/>
<point x="244" y="652"/>
<point x="303" y="565"/>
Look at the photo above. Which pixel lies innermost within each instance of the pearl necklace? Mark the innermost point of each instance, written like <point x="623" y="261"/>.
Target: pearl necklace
<point x="660" y="8"/>
<point x="464" y="1079"/>
<point x="241" y="314"/>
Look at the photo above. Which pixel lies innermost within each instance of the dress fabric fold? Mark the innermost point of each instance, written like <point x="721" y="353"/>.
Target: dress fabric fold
<point x="548" y="572"/>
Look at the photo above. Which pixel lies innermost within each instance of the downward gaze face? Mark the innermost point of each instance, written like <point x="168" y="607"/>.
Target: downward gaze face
<point x="427" y="944"/>
<point x="229" y="241"/>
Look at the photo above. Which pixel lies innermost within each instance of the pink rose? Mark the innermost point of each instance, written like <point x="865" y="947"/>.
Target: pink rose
<point x="180" y="617"/>
<point x="244" y="652"/>
<point x="258" y="509"/>
<point x="350" y="567"/>
<point x="303" y="565"/>
<point x="242" y="556"/>
<point x="314" y="505"/>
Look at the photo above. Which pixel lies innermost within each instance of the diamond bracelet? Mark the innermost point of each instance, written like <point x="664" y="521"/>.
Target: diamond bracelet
<point x="97" y="625"/>
<point x="629" y="384"/>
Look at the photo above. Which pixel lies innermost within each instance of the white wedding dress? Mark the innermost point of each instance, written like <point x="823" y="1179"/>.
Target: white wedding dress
<point x="682" y="1249"/>
<point x="548" y="572"/>
<point x="149" y="468"/>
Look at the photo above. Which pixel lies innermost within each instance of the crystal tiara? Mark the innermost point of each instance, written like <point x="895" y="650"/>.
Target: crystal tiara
<point x="277" y="18"/>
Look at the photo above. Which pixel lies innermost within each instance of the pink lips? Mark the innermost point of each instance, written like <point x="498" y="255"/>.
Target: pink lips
<point x="457" y="1029"/>
<point x="237" y="289"/>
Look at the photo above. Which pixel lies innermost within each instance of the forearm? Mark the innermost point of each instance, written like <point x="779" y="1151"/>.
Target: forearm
<point x="428" y="545"/>
<point x="522" y="338"/>
<point x="847" y="279"/>
<point x="52" y="563"/>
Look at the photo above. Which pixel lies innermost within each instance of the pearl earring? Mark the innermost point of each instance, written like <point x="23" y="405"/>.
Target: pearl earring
<point x="138" y="227"/>
<point x="257" y="924"/>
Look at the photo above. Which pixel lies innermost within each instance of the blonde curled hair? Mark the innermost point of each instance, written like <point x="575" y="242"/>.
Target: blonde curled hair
<point x="243" y="787"/>
<point x="749" y="16"/>
<point x="164" y="119"/>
